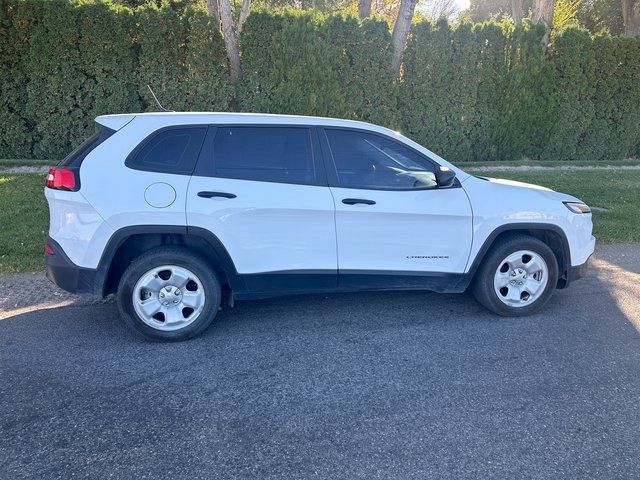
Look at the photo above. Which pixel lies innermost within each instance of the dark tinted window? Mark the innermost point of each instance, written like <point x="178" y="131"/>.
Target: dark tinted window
<point x="75" y="158"/>
<point x="365" y="160"/>
<point x="269" y="154"/>
<point x="172" y="150"/>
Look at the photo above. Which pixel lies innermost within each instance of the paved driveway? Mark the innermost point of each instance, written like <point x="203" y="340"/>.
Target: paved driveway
<point x="381" y="385"/>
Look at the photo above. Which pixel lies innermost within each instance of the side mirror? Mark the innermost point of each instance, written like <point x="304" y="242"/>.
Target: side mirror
<point x="445" y="177"/>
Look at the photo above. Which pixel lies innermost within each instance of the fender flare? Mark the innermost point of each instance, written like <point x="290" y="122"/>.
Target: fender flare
<point x="541" y="227"/>
<point x="223" y="259"/>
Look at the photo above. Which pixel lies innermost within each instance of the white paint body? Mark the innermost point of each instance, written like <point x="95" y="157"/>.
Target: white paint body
<point x="273" y="227"/>
<point x="413" y="230"/>
<point x="500" y="202"/>
<point x="269" y="226"/>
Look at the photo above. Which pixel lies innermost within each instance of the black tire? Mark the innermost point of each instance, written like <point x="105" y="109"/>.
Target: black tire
<point x="483" y="289"/>
<point x="180" y="257"/>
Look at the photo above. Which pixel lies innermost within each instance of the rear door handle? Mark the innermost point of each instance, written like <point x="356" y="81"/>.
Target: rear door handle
<point x="353" y="201"/>
<point x="216" y="194"/>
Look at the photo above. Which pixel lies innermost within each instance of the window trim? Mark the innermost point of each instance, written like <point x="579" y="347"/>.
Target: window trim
<point x="332" y="170"/>
<point x="129" y="161"/>
<point x="205" y="166"/>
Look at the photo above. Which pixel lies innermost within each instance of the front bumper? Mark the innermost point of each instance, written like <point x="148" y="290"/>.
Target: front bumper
<point x="573" y="273"/>
<point x="67" y="275"/>
<point x="583" y="247"/>
<point x="579" y="271"/>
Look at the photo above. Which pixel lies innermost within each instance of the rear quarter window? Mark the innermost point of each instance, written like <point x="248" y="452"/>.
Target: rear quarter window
<point x="169" y="150"/>
<point x="75" y="158"/>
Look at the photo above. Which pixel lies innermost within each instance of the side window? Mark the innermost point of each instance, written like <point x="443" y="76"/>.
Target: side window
<point x="365" y="160"/>
<point x="171" y="150"/>
<point x="268" y="154"/>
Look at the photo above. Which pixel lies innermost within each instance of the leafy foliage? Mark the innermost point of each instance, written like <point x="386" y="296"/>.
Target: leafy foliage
<point x="364" y="54"/>
<point x="56" y="88"/>
<point x="477" y="94"/>
<point x="181" y="59"/>
<point x="17" y="23"/>
<point x="440" y="59"/>
<point x="525" y="121"/>
<point x="65" y="62"/>
<point x="602" y="15"/>
<point x="484" y="92"/>
<point x="566" y="13"/>
<point x="483" y="10"/>
<point x="574" y="88"/>
<point x="288" y="67"/>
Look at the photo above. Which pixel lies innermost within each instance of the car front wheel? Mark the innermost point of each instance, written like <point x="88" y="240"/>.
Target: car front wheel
<point x="517" y="277"/>
<point x="169" y="294"/>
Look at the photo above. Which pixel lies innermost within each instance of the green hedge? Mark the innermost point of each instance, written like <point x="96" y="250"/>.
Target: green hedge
<point x="469" y="92"/>
<point x="17" y="23"/>
<point x="64" y="63"/>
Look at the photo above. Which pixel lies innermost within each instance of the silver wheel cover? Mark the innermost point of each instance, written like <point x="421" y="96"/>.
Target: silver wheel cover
<point x="168" y="297"/>
<point x="521" y="278"/>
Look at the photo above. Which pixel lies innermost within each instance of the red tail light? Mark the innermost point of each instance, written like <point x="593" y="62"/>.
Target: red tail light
<point x="61" y="179"/>
<point x="48" y="249"/>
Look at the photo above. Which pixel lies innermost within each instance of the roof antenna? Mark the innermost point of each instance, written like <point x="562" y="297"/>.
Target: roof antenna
<point x="158" y="101"/>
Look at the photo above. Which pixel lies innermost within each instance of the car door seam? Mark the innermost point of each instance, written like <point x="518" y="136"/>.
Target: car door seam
<point x="335" y="229"/>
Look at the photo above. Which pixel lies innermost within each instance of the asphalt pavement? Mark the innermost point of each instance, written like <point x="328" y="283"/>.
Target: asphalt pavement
<point x="406" y="385"/>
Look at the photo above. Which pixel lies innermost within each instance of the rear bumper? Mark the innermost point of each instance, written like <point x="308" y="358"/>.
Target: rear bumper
<point x="67" y="275"/>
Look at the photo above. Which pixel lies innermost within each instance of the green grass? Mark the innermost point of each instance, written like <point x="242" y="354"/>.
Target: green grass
<point x="24" y="220"/>
<point x="541" y="163"/>
<point x="24" y="215"/>
<point x="616" y="190"/>
<point x="17" y="162"/>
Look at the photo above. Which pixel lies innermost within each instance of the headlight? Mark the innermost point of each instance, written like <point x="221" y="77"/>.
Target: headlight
<point x="577" y="207"/>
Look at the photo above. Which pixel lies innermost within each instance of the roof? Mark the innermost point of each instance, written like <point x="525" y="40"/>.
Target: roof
<point x="119" y="120"/>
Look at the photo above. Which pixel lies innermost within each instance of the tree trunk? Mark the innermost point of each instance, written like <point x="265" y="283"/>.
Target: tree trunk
<point x="401" y="32"/>
<point x="244" y="13"/>
<point x="222" y="13"/>
<point x="364" y="9"/>
<point x="517" y="12"/>
<point x="214" y="11"/>
<point x="631" y="16"/>
<point x="543" y="13"/>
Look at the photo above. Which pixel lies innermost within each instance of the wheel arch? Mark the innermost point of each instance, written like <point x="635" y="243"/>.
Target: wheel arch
<point x="550" y="234"/>
<point x="129" y="242"/>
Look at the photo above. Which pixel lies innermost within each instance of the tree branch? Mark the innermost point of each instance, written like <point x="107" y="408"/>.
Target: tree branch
<point x="244" y="13"/>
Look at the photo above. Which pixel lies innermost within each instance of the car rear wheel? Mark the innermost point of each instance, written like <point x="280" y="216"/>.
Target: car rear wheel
<point x="517" y="277"/>
<point x="169" y="294"/>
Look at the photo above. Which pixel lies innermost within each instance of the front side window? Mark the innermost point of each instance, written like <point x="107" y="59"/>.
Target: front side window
<point x="267" y="154"/>
<point x="172" y="150"/>
<point x="365" y="160"/>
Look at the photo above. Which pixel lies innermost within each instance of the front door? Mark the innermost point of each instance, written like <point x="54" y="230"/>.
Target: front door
<point x="395" y="227"/>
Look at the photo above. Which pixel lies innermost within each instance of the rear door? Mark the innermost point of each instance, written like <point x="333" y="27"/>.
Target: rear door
<point x="393" y="223"/>
<point x="262" y="191"/>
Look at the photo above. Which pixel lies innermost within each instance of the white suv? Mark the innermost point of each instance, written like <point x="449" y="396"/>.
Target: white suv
<point x="176" y="211"/>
